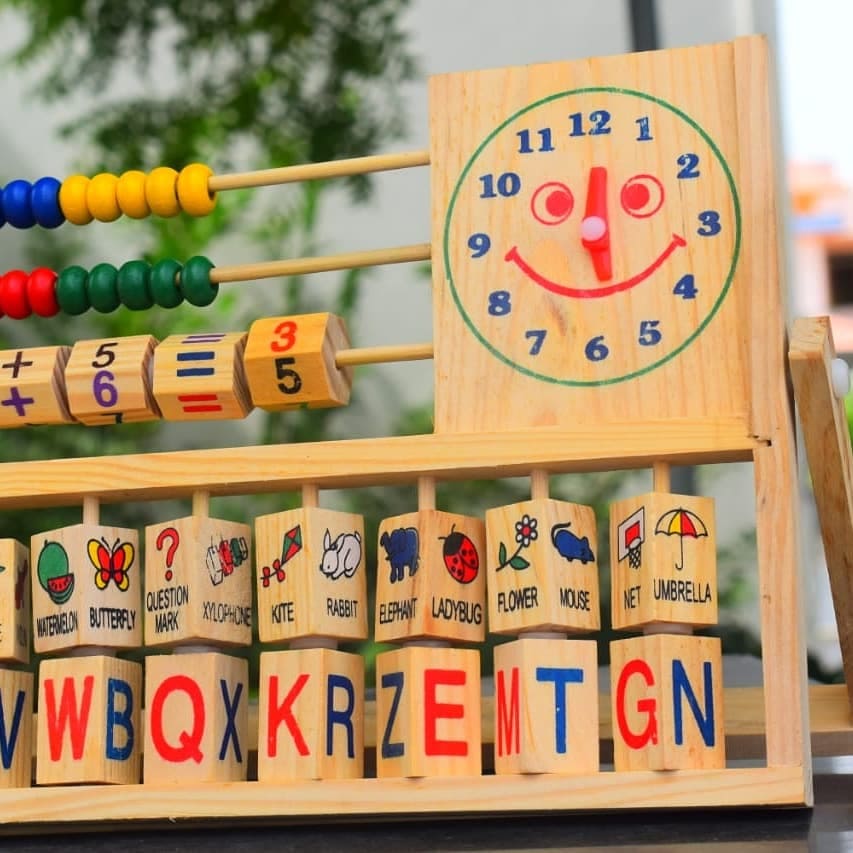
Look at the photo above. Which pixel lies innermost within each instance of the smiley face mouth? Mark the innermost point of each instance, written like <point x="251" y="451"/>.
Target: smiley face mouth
<point x="593" y="292"/>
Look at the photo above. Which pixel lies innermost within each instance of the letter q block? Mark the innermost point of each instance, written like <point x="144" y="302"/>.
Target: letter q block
<point x="15" y="620"/>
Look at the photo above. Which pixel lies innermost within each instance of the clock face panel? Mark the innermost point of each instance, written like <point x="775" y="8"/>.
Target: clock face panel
<point x="592" y="236"/>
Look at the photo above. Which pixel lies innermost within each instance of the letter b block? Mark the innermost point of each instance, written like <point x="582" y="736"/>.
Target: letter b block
<point x="14" y="602"/>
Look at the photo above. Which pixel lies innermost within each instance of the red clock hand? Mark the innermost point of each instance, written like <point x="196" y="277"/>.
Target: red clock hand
<point x="595" y="229"/>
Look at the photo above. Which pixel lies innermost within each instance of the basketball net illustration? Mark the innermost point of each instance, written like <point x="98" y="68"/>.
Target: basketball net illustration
<point x="630" y="535"/>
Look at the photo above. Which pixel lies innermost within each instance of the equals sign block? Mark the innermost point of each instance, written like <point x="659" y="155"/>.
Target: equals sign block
<point x="200" y="377"/>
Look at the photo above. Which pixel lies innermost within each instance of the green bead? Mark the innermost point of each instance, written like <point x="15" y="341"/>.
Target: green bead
<point x="196" y="285"/>
<point x="133" y="288"/>
<point x="103" y="288"/>
<point x="163" y="283"/>
<point x="71" y="293"/>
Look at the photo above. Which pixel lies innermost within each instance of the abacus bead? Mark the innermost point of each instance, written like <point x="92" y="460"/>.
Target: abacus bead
<point x="17" y="204"/>
<point x="196" y="285"/>
<point x="130" y="193"/>
<point x="71" y="291"/>
<point x="72" y="200"/>
<point x="103" y="288"/>
<point x="194" y="196"/>
<point x="163" y="284"/>
<point x="101" y="197"/>
<point x="41" y="292"/>
<point x="133" y="288"/>
<point x="161" y="191"/>
<point x="45" y="203"/>
<point x="13" y="295"/>
<point x="2" y="214"/>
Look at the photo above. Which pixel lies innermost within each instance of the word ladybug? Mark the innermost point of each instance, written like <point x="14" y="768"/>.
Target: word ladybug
<point x="460" y="556"/>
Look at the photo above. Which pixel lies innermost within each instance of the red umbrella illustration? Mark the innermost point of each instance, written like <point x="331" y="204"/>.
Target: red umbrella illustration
<point x="681" y="522"/>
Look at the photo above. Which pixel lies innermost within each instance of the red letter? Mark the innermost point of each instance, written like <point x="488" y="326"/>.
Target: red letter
<point x="442" y="710"/>
<point x="277" y="713"/>
<point x="636" y="740"/>
<point x="77" y="723"/>
<point x="189" y="746"/>
<point x="508" y="724"/>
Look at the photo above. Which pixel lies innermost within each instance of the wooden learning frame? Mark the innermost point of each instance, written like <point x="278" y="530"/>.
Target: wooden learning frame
<point x="718" y="394"/>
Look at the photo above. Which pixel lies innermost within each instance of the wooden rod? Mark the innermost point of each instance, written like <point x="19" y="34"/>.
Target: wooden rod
<point x="91" y="509"/>
<point x="318" y="171"/>
<point x="201" y="504"/>
<point x="381" y="355"/>
<point x="539" y="489"/>
<point x="426" y="492"/>
<point x="661" y="477"/>
<point x="310" y="495"/>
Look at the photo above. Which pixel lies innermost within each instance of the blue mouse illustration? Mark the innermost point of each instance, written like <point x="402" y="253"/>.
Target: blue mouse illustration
<point x="570" y="546"/>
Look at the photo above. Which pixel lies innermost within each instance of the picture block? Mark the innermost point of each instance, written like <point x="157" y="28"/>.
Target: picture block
<point x="32" y="387"/>
<point x="664" y="560"/>
<point x="428" y="712"/>
<point x="542" y="567"/>
<point x="16" y="728"/>
<point x="198" y="582"/>
<point x="290" y="362"/>
<point x="429" y="579"/>
<point x="196" y="718"/>
<point x="546" y="706"/>
<point x="86" y="588"/>
<point x="15" y="615"/>
<point x="666" y="695"/>
<point x="310" y="715"/>
<point x="311" y="577"/>
<point x="88" y="721"/>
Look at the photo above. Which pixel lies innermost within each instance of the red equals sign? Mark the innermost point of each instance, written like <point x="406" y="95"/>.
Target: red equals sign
<point x="199" y="403"/>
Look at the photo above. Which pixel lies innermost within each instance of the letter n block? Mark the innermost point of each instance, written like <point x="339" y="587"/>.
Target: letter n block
<point x="428" y="712"/>
<point x="546" y="706"/>
<point x="666" y="694"/>
<point x="196" y="718"/>
<point x="16" y="729"/>
<point x="88" y="721"/>
<point x="311" y="715"/>
<point x="14" y="602"/>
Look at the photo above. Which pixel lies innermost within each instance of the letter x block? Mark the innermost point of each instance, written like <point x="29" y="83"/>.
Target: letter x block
<point x="196" y="718"/>
<point x="666" y="695"/>
<point x="32" y="390"/>
<point x="15" y="621"/>
<point x="16" y="706"/>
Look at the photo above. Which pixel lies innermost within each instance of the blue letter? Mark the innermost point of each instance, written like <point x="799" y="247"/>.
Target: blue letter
<point x="119" y="718"/>
<point x="393" y="750"/>
<point x="344" y="717"/>
<point x="7" y="745"/>
<point x="679" y="683"/>
<point x="231" y="721"/>
<point x="561" y="678"/>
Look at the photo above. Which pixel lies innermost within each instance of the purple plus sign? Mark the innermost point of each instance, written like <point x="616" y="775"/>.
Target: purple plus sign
<point x="20" y="403"/>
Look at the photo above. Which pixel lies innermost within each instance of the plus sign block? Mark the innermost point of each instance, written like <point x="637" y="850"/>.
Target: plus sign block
<point x="15" y="620"/>
<point x="32" y="389"/>
<point x="16" y="713"/>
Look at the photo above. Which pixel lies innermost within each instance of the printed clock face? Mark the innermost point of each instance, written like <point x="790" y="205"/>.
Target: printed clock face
<point x="592" y="236"/>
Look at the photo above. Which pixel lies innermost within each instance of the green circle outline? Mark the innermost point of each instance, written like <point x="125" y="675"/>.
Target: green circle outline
<point x="714" y="308"/>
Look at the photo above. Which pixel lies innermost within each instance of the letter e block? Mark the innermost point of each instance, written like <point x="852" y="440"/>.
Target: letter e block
<point x="16" y="729"/>
<point x="14" y="602"/>
<point x="32" y="388"/>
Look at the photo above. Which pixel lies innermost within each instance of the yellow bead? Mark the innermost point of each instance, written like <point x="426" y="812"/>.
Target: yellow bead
<point x="101" y="197"/>
<point x="194" y="196"/>
<point x="130" y="193"/>
<point x="72" y="200"/>
<point x="161" y="191"/>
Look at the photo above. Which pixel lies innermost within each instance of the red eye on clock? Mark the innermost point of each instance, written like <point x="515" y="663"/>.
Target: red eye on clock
<point x="552" y="203"/>
<point x="642" y="196"/>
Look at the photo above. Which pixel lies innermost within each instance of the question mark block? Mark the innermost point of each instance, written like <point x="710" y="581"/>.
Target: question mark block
<point x="198" y="582"/>
<point x="15" y="622"/>
<point x="290" y="362"/>
<point x="32" y="389"/>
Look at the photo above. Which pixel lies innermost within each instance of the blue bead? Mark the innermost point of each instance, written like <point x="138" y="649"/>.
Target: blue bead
<point x="44" y="200"/>
<point x="2" y="215"/>
<point x="16" y="204"/>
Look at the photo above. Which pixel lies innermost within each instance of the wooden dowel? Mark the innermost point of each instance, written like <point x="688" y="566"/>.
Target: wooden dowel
<point x="539" y="489"/>
<point x="318" y="171"/>
<point x="381" y="355"/>
<point x="660" y="477"/>
<point x="426" y="492"/>
<point x="91" y="510"/>
<point x="201" y="504"/>
<point x="310" y="495"/>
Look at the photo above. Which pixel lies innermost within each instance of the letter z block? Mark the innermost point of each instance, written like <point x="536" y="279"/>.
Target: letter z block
<point x="16" y="729"/>
<point x="15" y="620"/>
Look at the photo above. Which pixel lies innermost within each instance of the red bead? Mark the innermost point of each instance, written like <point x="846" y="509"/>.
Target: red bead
<point x="41" y="292"/>
<point x="13" y="295"/>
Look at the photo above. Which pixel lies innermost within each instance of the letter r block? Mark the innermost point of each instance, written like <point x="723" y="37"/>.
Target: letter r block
<point x="16" y="728"/>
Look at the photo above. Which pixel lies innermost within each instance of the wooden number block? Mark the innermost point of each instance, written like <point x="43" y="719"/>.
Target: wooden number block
<point x="14" y="601"/>
<point x="666" y="695"/>
<point x="429" y="578"/>
<point x="109" y="380"/>
<point x="201" y="378"/>
<point x="198" y="582"/>
<point x="542" y="567"/>
<point x="87" y="588"/>
<point x="546" y="706"/>
<point x="428" y="712"/>
<point x="663" y="560"/>
<point x="16" y="728"/>
<point x="32" y="389"/>
<point x="311" y="715"/>
<point x="196" y="718"/>
<point x="88" y="721"/>
<point x="290" y="362"/>
<point x="311" y="577"/>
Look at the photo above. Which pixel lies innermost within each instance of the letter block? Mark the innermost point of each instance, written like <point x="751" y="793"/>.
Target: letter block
<point x="198" y="582"/>
<point x="311" y="576"/>
<point x="32" y="390"/>
<point x="428" y="712"/>
<point x="196" y="718"/>
<point x="109" y="380"/>
<point x="290" y="362"/>
<point x="200" y="377"/>
<point x="88" y="721"/>
<point x="546" y="706"/>
<point x="86" y="588"/>
<point x="663" y="560"/>
<point x="666" y="695"/>
<point x="16" y="729"/>
<point x="542" y="567"/>
<point x="14" y="602"/>
<point x="310" y="715"/>
<point x="430" y="582"/>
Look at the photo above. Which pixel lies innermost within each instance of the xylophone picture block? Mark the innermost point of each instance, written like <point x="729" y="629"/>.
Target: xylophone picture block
<point x="15" y="611"/>
<point x="16" y="728"/>
<point x="88" y="721"/>
<point x="32" y="389"/>
<point x="310" y="715"/>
